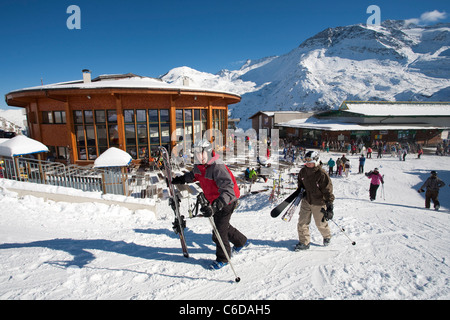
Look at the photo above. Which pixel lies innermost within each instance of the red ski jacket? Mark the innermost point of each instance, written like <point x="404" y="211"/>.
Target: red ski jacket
<point x="216" y="180"/>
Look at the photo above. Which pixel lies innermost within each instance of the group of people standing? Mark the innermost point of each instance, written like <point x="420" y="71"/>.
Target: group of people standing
<point x="342" y="166"/>
<point x="222" y="192"/>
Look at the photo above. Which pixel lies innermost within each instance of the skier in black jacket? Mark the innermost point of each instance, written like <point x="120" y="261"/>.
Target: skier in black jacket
<point x="432" y="184"/>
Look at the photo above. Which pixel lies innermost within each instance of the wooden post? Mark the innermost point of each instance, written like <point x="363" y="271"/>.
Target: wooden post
<point x="120" y="122"/>
<point x="73" y="154"/>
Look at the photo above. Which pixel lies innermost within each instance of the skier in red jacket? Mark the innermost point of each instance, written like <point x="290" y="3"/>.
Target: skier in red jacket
<point x="222" y="192"/>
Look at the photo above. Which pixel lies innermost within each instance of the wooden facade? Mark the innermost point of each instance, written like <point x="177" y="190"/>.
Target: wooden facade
<point x="78" y="124"/>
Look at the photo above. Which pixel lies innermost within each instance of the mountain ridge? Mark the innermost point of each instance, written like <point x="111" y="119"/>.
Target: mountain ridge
<point x="395" y="61"/>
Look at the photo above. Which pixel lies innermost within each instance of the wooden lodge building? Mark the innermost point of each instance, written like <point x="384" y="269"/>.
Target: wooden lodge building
<point x="79" y="120"/>
<point x="426" y="123"/>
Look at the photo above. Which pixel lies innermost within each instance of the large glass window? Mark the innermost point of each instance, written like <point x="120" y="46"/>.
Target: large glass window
<point x="219" y="118"/>
<point x="146" y="129"/>
<point x="95" y="131"/>
<point x="159" y="131"/>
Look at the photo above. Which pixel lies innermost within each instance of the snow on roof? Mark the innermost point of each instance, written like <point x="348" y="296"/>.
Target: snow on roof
<point x="21" y="145"/>
<point x="114" y="81"/>
<point x="336" y="125"/>
<point x="397" y="108"/>
<point x="272" y="113"/>
<point x="113" y="157"/>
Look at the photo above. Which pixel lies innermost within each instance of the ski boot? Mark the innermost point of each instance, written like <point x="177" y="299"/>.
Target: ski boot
<point x="236" y="250"/>
<point x="300" y="247"/>
<point x="216" y="265"/>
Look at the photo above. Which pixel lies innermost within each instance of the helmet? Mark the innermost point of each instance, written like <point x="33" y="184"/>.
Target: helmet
<point x="203" y="145"/>
<point x="433" y="173"/>
<point x="312" y="157"/>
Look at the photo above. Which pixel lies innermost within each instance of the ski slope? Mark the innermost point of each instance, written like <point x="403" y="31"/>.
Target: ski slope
<point x="62" y="250"/>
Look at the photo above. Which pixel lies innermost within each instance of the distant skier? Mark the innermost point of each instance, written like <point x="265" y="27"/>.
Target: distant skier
<point x="369" y="153"/>
<point x="432" y="184"/>
<point x="221" y="190"/>
<point x="380" y="150"/>
<point x="362" y="161"/>
<point x="419" y="152"/>
<point x="376" y="180"/>
<point x="338" y="167"/>
<point x="331" y="164"/>
<point x="318" y="195"/>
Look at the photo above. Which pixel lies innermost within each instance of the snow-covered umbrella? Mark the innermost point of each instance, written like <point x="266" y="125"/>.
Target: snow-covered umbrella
<point x="21" y="145"/>
<point x="113" y="157"/>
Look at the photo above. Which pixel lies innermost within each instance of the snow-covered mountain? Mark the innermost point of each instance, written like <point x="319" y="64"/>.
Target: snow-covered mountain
<point x="395" y="61"/>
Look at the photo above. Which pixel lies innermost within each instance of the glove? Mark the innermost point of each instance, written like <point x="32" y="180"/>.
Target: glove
<point x="207" y="211"/>
<point x="212" y="209"/>
<point x="420" y="190"/>
<point x="179" y="180"/>
<point x="217" y="205"/>
<point x="328" y="213"/>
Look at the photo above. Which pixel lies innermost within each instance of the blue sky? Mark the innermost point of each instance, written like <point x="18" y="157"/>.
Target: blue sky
<point x="151" y="37"/>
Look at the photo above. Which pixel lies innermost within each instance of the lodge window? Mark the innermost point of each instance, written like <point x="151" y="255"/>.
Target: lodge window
<point x="190" y="125"/>
<point x="95" y="132"/>
<point x="47" y="117"/>
<point x="146" y="129"/>
<point x="53" y="117"/>
<point x="158" y="124"/>
<point x="219" y="120"/>
<point x="60" y="117"/>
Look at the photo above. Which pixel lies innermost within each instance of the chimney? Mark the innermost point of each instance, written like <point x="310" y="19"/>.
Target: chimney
<point x="86" y="76"/>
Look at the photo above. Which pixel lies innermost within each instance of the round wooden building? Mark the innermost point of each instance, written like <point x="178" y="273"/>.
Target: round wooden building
<point x="79" y="120"/>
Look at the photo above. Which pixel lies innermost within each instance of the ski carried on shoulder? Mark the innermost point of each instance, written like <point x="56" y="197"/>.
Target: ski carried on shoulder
<point x="179" y="223"/>
<point x="292" y="208"/>
<point x="283" y="205"/>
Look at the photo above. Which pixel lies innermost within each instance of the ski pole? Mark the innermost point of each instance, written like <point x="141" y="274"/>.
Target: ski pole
<point x="343" y="231"/>
<point x="340" y="228"/>
<point x="223" y="247"/>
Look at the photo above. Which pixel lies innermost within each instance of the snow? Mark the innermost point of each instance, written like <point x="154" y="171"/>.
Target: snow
<point x="392" y="62"/>
<point x="132" y="82"/>
<point x="339" y="125"/>
<point x="91" y="250"/>
<point x="21" y="145"/>
<point x="14" y="115"/>
<point x="400" y="109"/>
<point x="113" y="157"/>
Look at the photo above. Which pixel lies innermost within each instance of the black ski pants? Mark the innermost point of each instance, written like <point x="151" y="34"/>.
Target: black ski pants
<point x="227" y="232"/>
<point x="373" y="191"/>
<point x="431" y="195"/>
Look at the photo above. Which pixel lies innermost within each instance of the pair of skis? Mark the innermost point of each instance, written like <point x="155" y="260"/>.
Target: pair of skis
<point x="291" y="203"/>
<point x="179" y="223"/>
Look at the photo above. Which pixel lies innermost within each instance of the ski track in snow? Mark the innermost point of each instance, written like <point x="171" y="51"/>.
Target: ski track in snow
<point x="59" y="250"/>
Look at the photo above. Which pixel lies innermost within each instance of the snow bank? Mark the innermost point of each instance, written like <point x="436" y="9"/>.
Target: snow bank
<point x="61" y="250"/>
